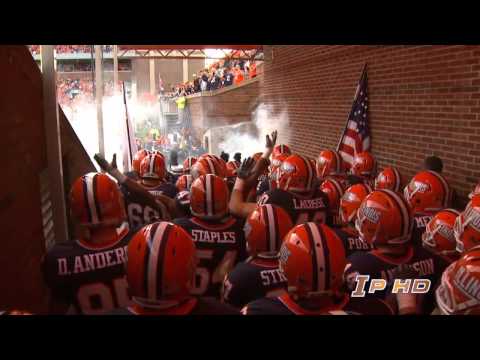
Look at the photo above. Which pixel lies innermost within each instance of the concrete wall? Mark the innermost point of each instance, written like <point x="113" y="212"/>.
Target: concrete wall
<point x="227" y="106"/>
<point x="424" y="100"/>
<point x="24" y="148"/>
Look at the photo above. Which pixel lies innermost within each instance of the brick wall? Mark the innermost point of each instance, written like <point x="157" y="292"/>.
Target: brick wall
<point x="424" y="100"/>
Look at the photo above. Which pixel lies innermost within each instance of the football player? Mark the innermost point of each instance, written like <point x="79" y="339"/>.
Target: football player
<point x="334" y="190"/>
<point x="349" y="204"/>
<point x="439" y="235"/>
<point x="364" y="167"/>
<point x="218" y="236"/>
<point x="385" y="222"/>
<point x="259" y="275"/>
<point x="137" y="159"/>
<point x="467" y="226"/>
<point x="330" y="163"/>
<point x="160" y="270"/>
<point x="390" y="179"/>
<point x="270" y="182"/>
<point x="295" y="193"/>
<point x="313" y="259"/>
<point x="427" y="193"/>
<point x="188" y="163"/>
<point x="88" y="273"/>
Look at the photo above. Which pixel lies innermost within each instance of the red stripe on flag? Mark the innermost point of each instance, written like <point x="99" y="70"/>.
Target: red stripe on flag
<point x="358" y="142"/>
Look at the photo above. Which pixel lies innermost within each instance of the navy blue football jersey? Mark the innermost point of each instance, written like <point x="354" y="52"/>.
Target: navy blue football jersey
<point x="166" y="189"/>
<point x="253" y="279"/>
<point x="350" y="240"/>
<point x="139" y="214"/>
<point x="194" y="306"/>
<point x="285" y="305"/>
<point x="420" y="223"/>
<point x="302" y="209"/>
<point x="132" y="175"/>
<point x="263" y="186"/>
<point x="91" y="278"/>
<point x="378" y="266"/>
<point x="220" y="246"/>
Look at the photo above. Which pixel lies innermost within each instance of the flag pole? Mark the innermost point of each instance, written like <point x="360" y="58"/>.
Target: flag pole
<point x="127" y="122"/>
<point x="364" y="72"/>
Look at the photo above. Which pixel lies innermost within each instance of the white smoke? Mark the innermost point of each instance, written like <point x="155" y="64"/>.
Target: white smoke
<point x="83" y="118"/>
<point x="265" y="121"/>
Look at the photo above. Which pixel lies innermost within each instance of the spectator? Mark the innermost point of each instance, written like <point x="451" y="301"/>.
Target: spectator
<point x="225" y="156"/>
<point x="238" y="75"/>
<point x="204" y="81"/>
<point x="238" y="157"/>
<point x="196" y="83"/>
<point x="433" y="163"/>
<point x="214" y="81"/>
<point x="227" y="77"/>
<point x="252" y="70"/>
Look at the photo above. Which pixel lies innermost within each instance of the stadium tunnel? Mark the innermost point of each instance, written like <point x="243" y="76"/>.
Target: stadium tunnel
<point x="424" y="100"/>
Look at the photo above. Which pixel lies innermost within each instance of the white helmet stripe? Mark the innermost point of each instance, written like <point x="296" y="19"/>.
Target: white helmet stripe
<point x="152" y="164"/>
<point x="337" y="158"/>
<point x="338" y="187"/>
<point x="271" y="227"/>
<point x="309" y="172"/>
<point x="156" y="240"/>
<point x="91" y="196"/>
<point x="211" y="166"/>
<point x="446" y="188"/>
<point x="320" y="256"/>
<point x="189" y="181"/>
<point x="398" y="179"/>
<point x="209" y="193"/>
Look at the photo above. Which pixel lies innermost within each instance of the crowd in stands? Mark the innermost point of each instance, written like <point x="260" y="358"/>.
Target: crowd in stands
<point x="220" y="74"/>
<point x="70" y="91"/>
<point x="70" y="49"/>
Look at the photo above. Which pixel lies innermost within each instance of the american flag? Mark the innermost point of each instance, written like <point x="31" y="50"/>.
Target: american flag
<point x="356" y="136"/>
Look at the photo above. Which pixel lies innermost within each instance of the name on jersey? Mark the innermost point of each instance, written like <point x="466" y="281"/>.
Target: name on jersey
<point x="220" y="237"/>
<point x="307" y="204"/>
<point x="355" y="243"/>
<point x="422" y="221"/>
<point x="94" y="261"/>
<point x="467" y="283"/>
<point x="423" y="268"/>
<point x="155" y="192"/>
<point x="272" y="277"/>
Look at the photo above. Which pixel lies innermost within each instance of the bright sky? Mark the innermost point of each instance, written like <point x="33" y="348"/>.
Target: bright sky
<point x="215" y="53"/>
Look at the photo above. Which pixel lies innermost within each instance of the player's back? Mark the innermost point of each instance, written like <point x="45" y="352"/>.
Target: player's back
<point x="165" y="188"/>
<point x="350" y="240"/>
<point x="285" y="305"/>
<point x="378" y="266"/>
<point x="220" y="246"/>
<point x="139" y="213"/>
<point x="89" y="277"/>
<point x="253" y="279"/>
<point x="312" y="207"/>
<point x="419" y="225"/>
<point x="194" y="306"/>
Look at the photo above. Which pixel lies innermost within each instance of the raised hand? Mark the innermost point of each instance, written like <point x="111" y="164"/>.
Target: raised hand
<point x="245" y="170"/>
<point x="271" y="140"/>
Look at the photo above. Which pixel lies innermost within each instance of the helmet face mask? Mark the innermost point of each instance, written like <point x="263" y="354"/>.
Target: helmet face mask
<point x="427" y="191"/>
<point x="467" y="227"/>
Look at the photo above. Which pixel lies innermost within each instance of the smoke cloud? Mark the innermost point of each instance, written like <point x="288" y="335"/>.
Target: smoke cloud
<point x="251" y="142"/>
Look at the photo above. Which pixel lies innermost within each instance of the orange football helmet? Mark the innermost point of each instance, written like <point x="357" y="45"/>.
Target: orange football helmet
<point x="161" y="264"/>
<point x="428" y="191"/>
<point x="334" y="190"/>
<point x="153" y="167"/>
<point x="351" y="201"/>
<point x="209" y="164"/>
<point x="329" y="162"/>
<point x="188" y="163"/>
<point x="389" y="178"/>
<point x="137" y="159"/>
<point x="439" y="235"/>
<point x="384" y="218"/>
<point x="364" y="165"/>
<point x="184" y="182"/>
<point x="265" y="229"/>
<point x="280" y="149"/>
<point x="467" y="226"/>
<point x="475" y="191"/>
<point x="232" y="167"/>
<point x="209" y="196"/>
<point x="458" y="293"/>
<point x="157" y="152"/>
<point x="296" y="174"/>
<point x="95" y="199"/>
<point x="313" y="260"/>
<point x="276" y="164"/>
